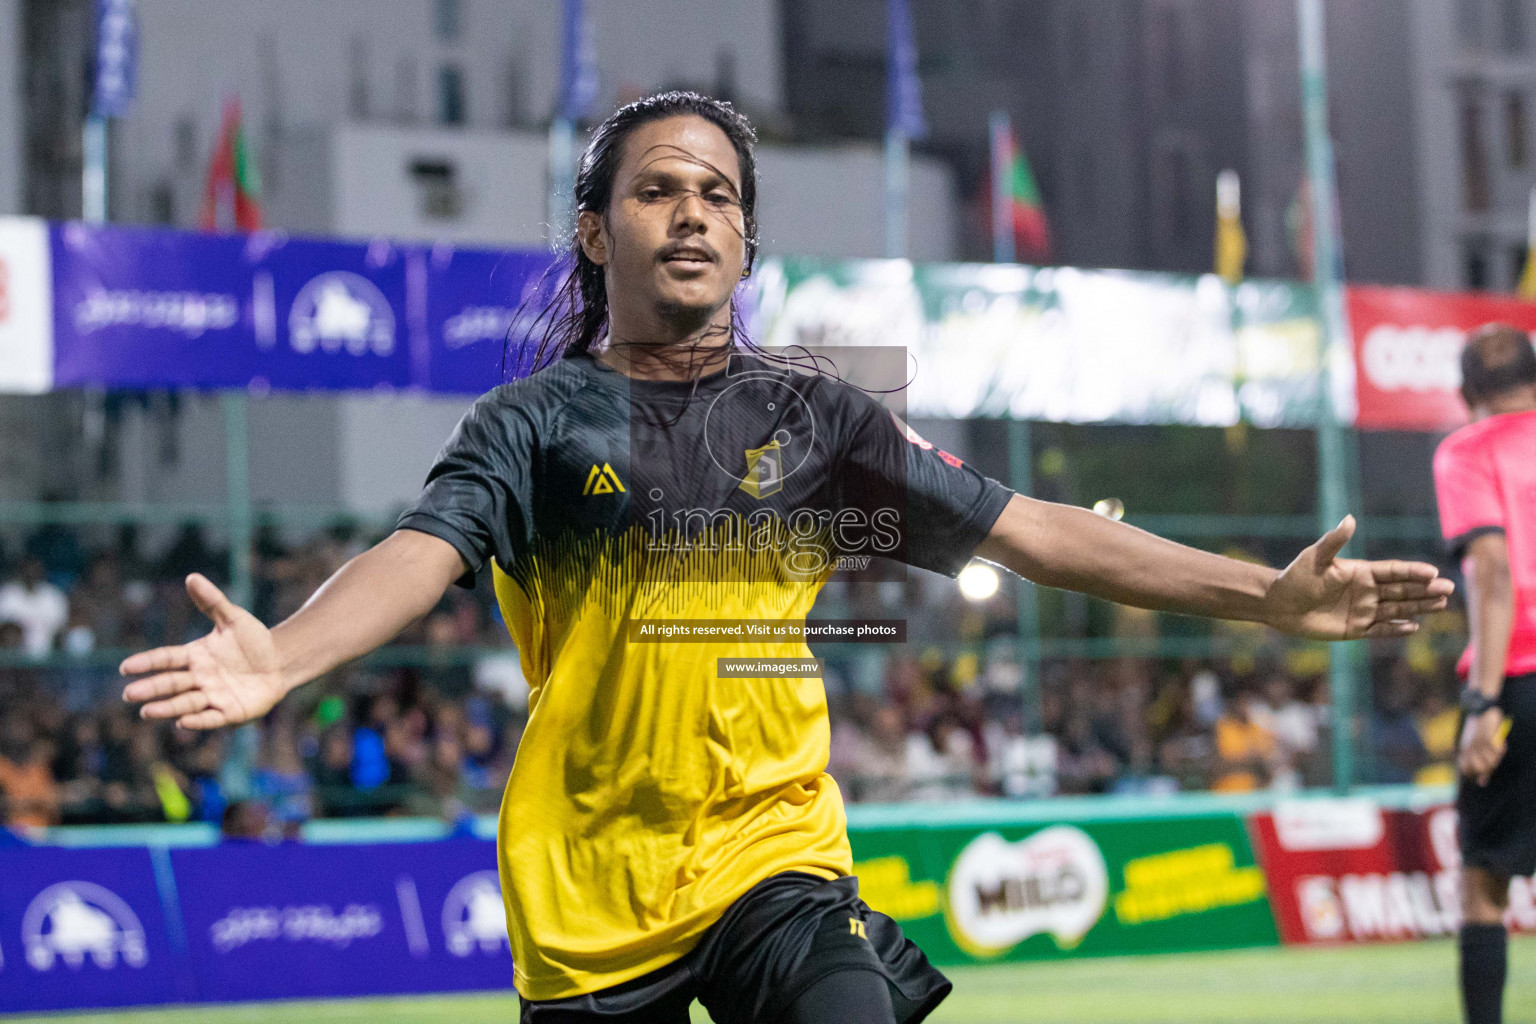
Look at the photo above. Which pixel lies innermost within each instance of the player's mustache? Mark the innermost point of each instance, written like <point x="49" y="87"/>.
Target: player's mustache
<point x="689" y="246"/>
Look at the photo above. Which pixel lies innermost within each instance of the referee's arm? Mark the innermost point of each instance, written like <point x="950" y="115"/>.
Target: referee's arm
<point x="1491" y="611"/>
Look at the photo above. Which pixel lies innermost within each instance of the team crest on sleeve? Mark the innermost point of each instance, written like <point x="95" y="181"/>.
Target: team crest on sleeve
<point x="765" y="470"/>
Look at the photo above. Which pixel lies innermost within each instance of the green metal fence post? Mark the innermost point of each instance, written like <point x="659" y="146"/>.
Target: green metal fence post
<point x="1021" y="475"/>
<point x="237" y="496"/>
<point x="1333" y="483"/>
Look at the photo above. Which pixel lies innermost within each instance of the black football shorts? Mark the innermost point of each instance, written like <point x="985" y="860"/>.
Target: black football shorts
<point x="784" y="936"/>
<point x="1498" y="821"/>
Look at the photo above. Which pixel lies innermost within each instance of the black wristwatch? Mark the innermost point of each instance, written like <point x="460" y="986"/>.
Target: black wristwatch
<point x="1474" y="702"/>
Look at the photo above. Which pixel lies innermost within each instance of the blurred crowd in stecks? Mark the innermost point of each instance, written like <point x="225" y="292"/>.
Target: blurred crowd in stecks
<point x="435" y="733"/>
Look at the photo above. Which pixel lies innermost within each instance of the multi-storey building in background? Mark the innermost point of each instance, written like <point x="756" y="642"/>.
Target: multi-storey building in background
<point x="419" y="118"/>
<point x="427" y="119"/>
<point x="413" y="119"/>
<point x="1128" y="109"/>
<point x="1476" y="83"/>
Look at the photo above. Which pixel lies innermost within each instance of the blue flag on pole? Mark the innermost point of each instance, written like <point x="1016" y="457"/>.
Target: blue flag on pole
<point x="117" y="57"/>
<point x="903" y="89"/>
<point x="578" y="62"/>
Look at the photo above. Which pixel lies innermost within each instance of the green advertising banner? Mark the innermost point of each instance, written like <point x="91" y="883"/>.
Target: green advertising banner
<point x="1059" y="343"/>
<point x="969" y="894"/>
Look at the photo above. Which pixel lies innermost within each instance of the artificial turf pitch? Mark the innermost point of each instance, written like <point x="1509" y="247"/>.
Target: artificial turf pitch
<point x="1411" y="983"/>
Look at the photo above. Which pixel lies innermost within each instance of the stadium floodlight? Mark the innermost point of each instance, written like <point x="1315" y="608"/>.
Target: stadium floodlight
<point x="978" y="581"/>
<point x="1110" y="508"/>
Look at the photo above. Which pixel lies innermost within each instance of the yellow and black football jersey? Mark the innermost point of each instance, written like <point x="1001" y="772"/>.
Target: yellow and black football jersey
<point x="648" y="793"/>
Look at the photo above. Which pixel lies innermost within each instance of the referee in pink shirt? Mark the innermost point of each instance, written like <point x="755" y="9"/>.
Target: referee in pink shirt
<point x="1485" y="481"/>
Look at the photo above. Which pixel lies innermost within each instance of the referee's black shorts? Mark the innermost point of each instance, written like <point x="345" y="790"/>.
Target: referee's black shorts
<point x="1497" y="822"/>
<point x="786" y="935"/>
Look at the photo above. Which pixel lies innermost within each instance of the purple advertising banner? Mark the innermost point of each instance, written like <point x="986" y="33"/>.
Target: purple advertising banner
<point x="473" y="297"/>
<point x="83" y="928"/>
<point x="135" y="308"/>
<point x="151" y="308"/>
<point x="334" y="315"/>
<point x="297" y="921"/>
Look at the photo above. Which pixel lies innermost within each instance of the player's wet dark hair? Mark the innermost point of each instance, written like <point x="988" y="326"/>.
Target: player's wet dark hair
<point x="1496" y="358"/>
<point x="572" y="315"/>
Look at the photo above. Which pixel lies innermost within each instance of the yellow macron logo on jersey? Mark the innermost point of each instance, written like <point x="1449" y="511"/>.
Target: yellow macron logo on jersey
<point x="602" y="480"/>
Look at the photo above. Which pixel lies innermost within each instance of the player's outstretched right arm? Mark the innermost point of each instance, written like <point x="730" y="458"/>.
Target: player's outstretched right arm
<point x="242" y="668"/>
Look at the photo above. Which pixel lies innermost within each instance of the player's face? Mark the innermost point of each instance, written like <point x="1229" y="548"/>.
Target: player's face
<point x="674" y="236"/>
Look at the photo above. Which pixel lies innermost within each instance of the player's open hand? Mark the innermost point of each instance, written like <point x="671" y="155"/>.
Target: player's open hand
<point x="1482" y="745"/>
<point x="232" y="675"/>
<point x="1325" y="597"/>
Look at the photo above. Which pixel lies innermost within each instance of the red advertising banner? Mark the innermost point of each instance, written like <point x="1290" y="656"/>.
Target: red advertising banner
<point x="1407" y="350"/>
<point x="1346" y="870"/>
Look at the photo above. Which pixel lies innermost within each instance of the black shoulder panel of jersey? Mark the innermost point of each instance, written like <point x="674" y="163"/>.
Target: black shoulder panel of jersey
<point x="479" y="493"/>
<point x="581" y="451"/>
<point x="946" y="506"/>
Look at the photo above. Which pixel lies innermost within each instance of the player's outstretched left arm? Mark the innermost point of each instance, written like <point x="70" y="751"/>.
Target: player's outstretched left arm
<point x="1319" y="595"/>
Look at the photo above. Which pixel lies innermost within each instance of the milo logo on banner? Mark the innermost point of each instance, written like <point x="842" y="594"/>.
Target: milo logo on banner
<point x="1000" y="893"/>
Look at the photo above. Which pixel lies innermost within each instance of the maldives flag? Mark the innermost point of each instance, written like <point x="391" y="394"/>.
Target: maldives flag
<point x="232" y="197"/>
<point x="1016" y="197"/>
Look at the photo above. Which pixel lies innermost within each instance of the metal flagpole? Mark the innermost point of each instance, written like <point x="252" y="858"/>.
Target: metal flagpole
<point x="237" y="496"/>
<point x="1337" y="407"/>
<point x="1020" y="443"/>
<point x="115" y="72"/>
<point x="1530" y="243"/>
<point x="562" y="180"/>
<point x="242" y="582"/>
<point x="93" y="180"/>
<point x="1001" y="131"/>
<point x="1526" y="286"/>
<point x="1027" y="609"/>
<point x="897" y="155"/>
<point x="903" y="122"/>
<point x="578" y="91"/>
